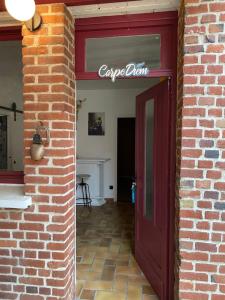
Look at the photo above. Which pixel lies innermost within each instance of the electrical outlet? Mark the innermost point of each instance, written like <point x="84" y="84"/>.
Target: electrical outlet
<point x="111" y="187"/>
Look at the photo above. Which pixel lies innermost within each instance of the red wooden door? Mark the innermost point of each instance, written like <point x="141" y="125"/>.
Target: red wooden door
<point x="152" y="176"/>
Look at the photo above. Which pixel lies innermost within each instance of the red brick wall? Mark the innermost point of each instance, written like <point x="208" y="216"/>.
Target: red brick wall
<point x="201" y="131"/>
<point x="180" y="77"/>
<point x="37" y="245"/>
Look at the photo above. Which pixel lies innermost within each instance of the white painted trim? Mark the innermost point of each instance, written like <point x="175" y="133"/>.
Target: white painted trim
<point x="12" y="196"/>
<point x="126" y="7"/>
<point x="92" y="160"/>
<point x="7" y="21"/>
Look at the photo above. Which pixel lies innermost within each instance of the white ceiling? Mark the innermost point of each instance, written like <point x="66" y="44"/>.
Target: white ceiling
<point x="126" y="7"/>
<point x="109" y="9"/>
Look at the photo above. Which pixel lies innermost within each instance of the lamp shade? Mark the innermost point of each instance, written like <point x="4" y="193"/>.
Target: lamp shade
<point x="21" y="10"/>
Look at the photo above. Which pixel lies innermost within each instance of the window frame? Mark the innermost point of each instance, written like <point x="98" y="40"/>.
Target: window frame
<point x="163" y="23"/>
<point x="11" y="177"/>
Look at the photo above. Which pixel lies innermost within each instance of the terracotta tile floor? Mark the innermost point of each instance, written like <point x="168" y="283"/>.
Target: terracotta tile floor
<point x="106" y="268"/>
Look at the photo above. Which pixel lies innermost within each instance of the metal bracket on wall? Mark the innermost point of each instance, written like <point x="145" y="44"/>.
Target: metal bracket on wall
<point x="13" y="109"/>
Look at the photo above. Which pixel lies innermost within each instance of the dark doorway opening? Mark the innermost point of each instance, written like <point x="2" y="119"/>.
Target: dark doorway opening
<point x="125" y="158"/>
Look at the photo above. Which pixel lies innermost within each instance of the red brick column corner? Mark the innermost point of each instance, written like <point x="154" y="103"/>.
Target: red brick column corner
<point x="201" y="155"/>
<point x="38" y="259"/>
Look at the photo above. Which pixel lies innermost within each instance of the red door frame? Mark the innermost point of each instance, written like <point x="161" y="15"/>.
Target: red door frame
<point x="11" y="34"/>
<point x="137" y="23"/>
<point x="164" y="23"/>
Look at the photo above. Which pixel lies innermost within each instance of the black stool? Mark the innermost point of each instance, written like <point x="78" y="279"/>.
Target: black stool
<point x="85" y="191"/>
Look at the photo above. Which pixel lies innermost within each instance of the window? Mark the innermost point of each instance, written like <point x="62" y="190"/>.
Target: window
<point x="116" y="41"/>
<point x="11" y="112"/>
<point x="122" y="50"/>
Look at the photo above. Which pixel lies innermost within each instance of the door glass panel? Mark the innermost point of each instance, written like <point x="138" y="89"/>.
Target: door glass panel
<point x="122" y="50"/>
<point x="149" y="132"/>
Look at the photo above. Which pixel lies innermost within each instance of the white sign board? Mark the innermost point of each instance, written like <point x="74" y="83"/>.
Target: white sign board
<point x="131" y="70"/>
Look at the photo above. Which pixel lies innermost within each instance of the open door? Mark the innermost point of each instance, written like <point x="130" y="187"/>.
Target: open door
<point x="152" y="179"/>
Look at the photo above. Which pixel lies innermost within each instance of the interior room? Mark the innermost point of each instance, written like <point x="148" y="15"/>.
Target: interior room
<point x="106" y="162"/>
<point x="108" y="156"/>
<point x="11" y="106"/>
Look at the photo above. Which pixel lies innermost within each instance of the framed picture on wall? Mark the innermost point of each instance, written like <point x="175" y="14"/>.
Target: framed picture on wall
<point x="96" y="123"/>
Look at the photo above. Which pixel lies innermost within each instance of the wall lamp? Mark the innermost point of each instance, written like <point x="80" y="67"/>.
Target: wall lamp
<point x="24" y="11"/>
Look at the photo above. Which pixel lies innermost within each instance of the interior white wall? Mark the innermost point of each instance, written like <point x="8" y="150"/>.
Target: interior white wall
<point x="11" y="91"/>
<point x="116" y="103"/>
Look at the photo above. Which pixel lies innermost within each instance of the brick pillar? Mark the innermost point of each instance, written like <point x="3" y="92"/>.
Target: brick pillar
<point x="38" y="260"/>
<point x="201" y="155"/>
